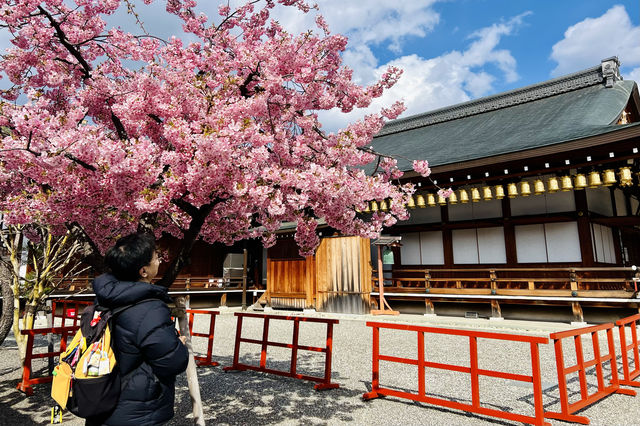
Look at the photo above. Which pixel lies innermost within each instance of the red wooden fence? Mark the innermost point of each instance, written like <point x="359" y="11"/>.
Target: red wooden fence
<point x="64" y="332"/>
<point x="473" y="370"/>
<point x="204" y="360"/>
<point x="568" y="409"/>
<point x="324" y="382"/>
<point x="628" y="374"/>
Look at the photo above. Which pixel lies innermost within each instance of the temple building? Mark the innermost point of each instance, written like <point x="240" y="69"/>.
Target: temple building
<point x="545" y="205"/>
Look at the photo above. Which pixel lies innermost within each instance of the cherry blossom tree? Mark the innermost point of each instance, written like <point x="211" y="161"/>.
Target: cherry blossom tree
<point x="105" y="131"/>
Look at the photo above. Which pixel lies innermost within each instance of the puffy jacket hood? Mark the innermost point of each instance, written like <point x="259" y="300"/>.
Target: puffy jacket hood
<point x="112" y="293"/>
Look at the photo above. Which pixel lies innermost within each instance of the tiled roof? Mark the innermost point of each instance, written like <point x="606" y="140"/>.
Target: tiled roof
<point x="559" y="110"/>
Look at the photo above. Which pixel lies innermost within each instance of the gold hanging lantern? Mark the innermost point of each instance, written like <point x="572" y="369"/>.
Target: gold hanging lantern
<point x="420" y="201"/>
<point x="411" y="203"/>
<point x="374" y="206"/>
<point x="580" y="181"/>
<point x="441" y="200"/>
<point x="499" y="190"/>
<point x="464" y="196"/>
<point x="553" y="185"/>
<point x="512" y="190"/>
<point x="453" y="198"/>
<point x="538" y="187"/>
<point x="367" y="209"/>
<point x="475" y="195"/>
<point x="525" y="188"/>
<point x="567" y="183"/>
<point x="608" y="177"/>
<point x="594" y="179"/>
<point x="487" y="195"/>
<point x="625" y="176"/>
<point x="431" y="200"/>
<point x="383" y="206"/>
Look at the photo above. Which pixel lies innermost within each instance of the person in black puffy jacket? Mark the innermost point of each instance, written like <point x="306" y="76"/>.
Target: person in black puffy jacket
<point x="148" y="350"/>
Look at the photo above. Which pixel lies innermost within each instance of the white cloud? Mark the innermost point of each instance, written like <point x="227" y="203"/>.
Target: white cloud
<point x="378" y="22"/>
<point x="633" y="75"/>
<point x="431" y="83"/>
<point x="586" y="43"/>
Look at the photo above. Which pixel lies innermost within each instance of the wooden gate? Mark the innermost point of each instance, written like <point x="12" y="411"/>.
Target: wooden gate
<point x="337" y="278"/>
<point x="343" y="275"/>
<point x="291" y="283"/>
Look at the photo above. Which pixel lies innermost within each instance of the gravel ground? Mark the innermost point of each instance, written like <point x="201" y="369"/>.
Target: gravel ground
<point x="240" y="398"/>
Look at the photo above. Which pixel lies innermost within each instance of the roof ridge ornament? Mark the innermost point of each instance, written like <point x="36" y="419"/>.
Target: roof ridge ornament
<point x="610" y="71"/>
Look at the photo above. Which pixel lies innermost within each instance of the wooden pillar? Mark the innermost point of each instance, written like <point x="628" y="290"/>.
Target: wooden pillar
<point x="578" y="315"/>
<point x="496" y="312"/>
<point x="309" y="285"/>
<point x="429" y="309"/>
<point x="509" y="233"/>
<point x="584" y="227"/>
<point x="615" y="230"/>
<point x="447" y="239"/>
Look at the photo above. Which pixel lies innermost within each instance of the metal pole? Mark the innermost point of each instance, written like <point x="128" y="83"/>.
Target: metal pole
<point x="244" y="280"/>
<point x="380" y="278"/>
<point x="50" y="324"/>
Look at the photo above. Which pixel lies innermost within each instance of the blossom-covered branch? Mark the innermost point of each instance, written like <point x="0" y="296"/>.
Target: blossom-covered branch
<point x="217" y="138"/>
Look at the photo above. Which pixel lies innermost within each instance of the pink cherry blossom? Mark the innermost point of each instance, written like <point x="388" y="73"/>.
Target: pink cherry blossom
<point x="445" y="193"/>
<point x="422" y="167"/>
<point x="216" y="137"/>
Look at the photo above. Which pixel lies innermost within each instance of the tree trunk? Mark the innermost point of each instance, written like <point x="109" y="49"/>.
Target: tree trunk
<point x="21" y="340"/>
<point x="6" y="320"/>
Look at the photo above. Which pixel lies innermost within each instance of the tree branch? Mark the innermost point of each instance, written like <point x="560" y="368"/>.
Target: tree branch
<point x="185" y="206"/>
<point x="122" y="133"/>
<point x="188" y="240"/>
<point x="80" y="162"/>
<point x="90" y="250"/>
<point x="86" y="68"/>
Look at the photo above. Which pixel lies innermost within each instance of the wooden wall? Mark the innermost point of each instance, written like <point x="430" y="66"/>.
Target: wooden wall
<point x="340" y="269"/>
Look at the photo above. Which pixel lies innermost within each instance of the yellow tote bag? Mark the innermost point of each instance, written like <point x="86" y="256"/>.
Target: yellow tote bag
<point x="61" y="384"/>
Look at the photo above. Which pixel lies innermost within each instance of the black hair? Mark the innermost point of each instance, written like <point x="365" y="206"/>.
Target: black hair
<point x="129" y="254"/>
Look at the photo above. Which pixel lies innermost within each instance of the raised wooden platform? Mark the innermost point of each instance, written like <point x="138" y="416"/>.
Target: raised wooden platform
<point x="599" y="286"/>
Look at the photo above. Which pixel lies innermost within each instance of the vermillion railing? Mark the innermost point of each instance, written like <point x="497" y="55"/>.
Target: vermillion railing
<point x="628" y="374"/>
<point x="473" y="370"/>
<point x="264" y="343"/>
<point x="567" y="409"/>
<point x="64" y="332"/>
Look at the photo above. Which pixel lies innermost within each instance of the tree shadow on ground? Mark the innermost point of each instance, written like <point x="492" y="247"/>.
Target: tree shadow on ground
<point x="249" y="397"/>
<point x="15" y="407"/>
<point x="441" y="409"/>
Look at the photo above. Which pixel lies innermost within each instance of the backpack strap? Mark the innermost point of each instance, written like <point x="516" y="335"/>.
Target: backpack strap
<point x="94" y="332"/>
<point x="120" y="309"/>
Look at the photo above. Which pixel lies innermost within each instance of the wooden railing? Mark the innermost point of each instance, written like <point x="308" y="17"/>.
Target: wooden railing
<point x="183" y="282"/>
<point x="576" y="282"/>
<point x="205" y="281"/>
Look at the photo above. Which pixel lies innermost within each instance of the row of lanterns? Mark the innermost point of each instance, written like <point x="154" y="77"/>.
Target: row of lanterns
<point x="554" y="184"/>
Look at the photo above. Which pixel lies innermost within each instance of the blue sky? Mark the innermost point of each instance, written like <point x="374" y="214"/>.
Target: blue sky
<point x="456" y="50"/>
<point x="452" y="51"/>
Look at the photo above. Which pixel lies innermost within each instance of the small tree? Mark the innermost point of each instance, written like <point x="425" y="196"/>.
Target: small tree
<point x="51" y="261"/>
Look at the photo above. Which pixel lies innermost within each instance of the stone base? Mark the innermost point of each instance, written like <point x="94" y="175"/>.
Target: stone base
<point x="430" y="315"/>
<point x="308" y="311"/>
<point x="496" y="318"/>
<point x="578" y="324"/>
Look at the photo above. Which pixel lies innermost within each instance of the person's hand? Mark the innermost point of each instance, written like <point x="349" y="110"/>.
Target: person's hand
<point x="183" y="339"/>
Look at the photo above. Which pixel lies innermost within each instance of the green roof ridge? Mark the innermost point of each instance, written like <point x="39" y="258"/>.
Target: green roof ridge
<point x="567" y="83"/>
